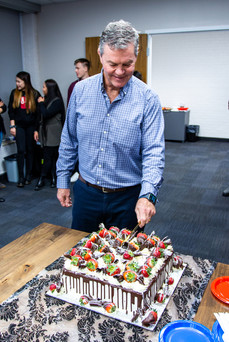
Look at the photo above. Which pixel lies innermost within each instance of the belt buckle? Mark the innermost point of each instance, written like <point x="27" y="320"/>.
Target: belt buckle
<point x="104" y="191"/>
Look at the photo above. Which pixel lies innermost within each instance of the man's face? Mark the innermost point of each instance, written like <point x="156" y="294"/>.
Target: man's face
<point x="118" y="66"/>
<point x="81" y="71"/>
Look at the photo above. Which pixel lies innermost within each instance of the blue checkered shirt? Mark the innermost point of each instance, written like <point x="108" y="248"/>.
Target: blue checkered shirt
<point x="118" y="144"/>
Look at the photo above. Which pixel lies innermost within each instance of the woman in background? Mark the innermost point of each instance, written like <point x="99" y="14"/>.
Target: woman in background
<point x="2" y="127"/>
<point x="52" y="112"/>
<point x="2" y="131"/>
<point x="23" y="113"/>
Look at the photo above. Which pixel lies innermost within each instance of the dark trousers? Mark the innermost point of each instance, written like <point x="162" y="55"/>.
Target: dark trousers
<point x="50" y="155"/>
<point x="25" y="146"/>
<point x="92" y="207"/>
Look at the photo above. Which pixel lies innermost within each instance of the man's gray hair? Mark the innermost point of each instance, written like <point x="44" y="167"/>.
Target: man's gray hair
<point x="118" y="35"/>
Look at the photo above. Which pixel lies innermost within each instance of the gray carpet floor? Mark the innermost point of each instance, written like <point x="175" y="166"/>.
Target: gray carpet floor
<point x="191" y="208"/>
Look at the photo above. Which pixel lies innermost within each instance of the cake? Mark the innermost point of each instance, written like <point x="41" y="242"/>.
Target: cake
<point x="118" y="270"/>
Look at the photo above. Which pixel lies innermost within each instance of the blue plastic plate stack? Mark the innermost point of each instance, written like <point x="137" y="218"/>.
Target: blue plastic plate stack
<point x="186" y="331"/>
<point x="217" y="332"/>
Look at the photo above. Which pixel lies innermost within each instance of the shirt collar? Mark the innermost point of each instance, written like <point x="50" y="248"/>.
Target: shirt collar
<point x="123" y="90"/>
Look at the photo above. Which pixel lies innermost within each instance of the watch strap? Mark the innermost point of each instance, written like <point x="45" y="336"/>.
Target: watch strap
<point x="150" y="197"/>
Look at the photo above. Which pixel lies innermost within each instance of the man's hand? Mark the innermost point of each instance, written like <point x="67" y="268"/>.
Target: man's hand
<point x="36" y="136"/>
<point x="63" y="196"/>
<point x="144" y="210"/>
<point x="13" y="131"/>
<point x="1" y="105"/>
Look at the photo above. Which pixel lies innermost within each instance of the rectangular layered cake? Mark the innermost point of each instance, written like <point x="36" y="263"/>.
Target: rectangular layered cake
<point x="108" y="269"/>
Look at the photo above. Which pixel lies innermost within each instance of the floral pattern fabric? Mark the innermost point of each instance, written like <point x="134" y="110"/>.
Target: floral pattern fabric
<point x="30" y="315"/>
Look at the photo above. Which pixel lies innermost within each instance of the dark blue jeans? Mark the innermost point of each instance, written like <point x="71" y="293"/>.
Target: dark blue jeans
<point x="92" y="207"/>
<point x="25" y="146"/>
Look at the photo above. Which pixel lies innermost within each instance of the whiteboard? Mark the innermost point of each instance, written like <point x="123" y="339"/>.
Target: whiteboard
<point x="192" y="69"/>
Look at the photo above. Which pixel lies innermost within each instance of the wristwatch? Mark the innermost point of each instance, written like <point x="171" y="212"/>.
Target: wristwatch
<point x="150" y="197"/>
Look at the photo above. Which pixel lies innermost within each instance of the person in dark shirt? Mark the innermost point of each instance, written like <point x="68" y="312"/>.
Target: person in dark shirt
<point x="2" y="131"/>
<point x="82" y="66"/>
<point x="2" y="127"/>
<point x="52" y="113"/>
<point x="23" y="115"/>
<point x="137" y="74"/>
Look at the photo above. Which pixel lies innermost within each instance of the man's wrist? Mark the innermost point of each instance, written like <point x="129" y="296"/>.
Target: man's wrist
<point x="150" y="197"/>
<point x="12" y="126"/>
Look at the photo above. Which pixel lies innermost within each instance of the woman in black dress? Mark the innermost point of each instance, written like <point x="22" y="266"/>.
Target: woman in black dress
<point x="52" y="112"/>
<point x="23" y="113"/>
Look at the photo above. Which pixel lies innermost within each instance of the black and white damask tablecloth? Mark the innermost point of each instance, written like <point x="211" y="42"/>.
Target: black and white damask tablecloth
<point x="30" y="315"/>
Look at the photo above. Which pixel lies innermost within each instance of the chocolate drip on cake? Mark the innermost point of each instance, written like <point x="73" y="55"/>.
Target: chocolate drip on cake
<point x="99" y="286"/>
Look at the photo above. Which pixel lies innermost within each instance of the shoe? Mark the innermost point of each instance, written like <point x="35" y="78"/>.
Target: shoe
<point x="2" y="186"/>
<point x="2" y="199"/>
<point x="40" y="184"/>
<point x="28" y="180"/>
<point x="21" y="183"/>
<point x="53" y="182"/>
<point x="226" y="192"/>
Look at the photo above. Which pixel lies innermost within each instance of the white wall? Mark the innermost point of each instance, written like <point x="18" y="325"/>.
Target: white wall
<point x="192" y="69"/>
<point x="30" y="54"/>
<point x="62" y="28"/>
<point x="10" y="55"/>
<point x="10" y="64"/>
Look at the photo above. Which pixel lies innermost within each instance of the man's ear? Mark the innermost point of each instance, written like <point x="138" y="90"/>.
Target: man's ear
<point x="99" y="55"/>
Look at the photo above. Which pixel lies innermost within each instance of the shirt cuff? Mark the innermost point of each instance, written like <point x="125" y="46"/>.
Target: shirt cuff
<point x="63" y="183"/>
<point x="148" y="188"/>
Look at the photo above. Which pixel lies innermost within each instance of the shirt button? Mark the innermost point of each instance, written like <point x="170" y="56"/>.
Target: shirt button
<point x="105" y="132"/>
<point x="108" y="114"/>
<point x="100" y="165"/>
<point x="101" y="149"/>
<point x="98" y="182"/>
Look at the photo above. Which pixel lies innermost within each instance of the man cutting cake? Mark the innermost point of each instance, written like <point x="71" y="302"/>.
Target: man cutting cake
<point x="114" y="127"/>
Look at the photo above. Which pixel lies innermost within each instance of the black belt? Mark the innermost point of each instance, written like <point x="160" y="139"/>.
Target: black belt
<point x="105" y="190"/>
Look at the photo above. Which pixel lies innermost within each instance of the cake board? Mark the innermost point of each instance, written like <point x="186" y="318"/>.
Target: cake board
<point x="120" y="315"/>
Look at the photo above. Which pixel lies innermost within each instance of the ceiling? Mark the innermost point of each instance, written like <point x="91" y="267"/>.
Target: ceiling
<point x="30" y="6"/>
<point x="48" y="2"/>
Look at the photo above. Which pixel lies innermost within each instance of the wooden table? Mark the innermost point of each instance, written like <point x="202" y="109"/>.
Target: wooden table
<point x="209" y="303"/>
<point x="22" y="259"/>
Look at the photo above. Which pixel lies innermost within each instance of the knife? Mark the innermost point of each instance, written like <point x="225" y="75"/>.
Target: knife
<point x="131" y="234"/>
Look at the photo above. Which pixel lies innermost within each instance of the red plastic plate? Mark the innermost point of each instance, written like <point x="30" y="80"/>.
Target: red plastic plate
<point x="183" y="108"/>
<point x="220" y="288"/>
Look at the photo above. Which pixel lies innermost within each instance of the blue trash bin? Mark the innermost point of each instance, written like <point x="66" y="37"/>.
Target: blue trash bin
<point x="12" y="168"/>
